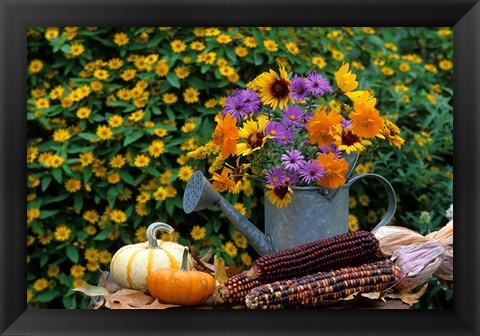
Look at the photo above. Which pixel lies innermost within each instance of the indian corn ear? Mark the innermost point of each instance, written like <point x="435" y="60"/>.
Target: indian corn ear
<point x="234" y="290"/>
<point x="349" y="249"/>
<point x="311" y="290"/>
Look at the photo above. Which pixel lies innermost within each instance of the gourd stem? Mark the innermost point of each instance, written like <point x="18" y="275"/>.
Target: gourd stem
<point x="152" y="229"/>
<point x="184" y="268"/>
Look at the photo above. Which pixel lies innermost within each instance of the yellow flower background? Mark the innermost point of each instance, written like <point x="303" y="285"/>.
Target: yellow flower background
<point x="112" y="113"/>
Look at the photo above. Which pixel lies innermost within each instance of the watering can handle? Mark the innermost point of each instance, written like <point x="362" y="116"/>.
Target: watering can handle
<point x="392" y="200"/>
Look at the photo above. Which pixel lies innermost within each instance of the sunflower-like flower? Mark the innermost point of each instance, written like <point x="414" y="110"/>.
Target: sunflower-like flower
<point x="279" y="196"/>
<point x="273" y="88"/>
<point x="226" y="134"/>
<point x="253" y="135"/>
<point x="348" y="141"/>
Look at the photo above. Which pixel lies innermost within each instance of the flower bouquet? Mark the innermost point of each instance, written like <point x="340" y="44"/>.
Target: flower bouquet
<point x="282" y="130"/>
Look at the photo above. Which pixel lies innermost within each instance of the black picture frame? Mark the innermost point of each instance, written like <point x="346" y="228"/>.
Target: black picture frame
<point x="15" y="16"/>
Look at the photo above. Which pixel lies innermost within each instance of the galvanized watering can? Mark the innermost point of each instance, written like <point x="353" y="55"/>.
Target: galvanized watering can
<point x="314" y="212"/>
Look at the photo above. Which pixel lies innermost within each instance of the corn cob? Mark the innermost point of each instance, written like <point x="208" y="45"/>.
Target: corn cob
<point x="233" y="291"/>
<point x="311" y="290"/>
<point x="347" y="249"/>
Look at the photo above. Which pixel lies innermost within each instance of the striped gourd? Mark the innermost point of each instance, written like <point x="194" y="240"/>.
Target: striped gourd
<point x="312" y="290"/>
<point x="347" y="249"/>
<point x="234" y="290"/>
<point x="132" y="264"/>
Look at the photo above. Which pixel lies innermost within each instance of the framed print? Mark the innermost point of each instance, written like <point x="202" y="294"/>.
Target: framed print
<point x="290" y="164"/>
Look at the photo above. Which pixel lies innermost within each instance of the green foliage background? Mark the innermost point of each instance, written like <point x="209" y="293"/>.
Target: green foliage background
<point x="408" y="69"/>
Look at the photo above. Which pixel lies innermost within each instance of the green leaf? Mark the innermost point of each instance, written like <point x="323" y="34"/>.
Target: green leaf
<point x="170" y="114"/>
<point x="152" y="171"/>
<point x="78" y="201"/>
<point x="57" y="174"/>
<point x="127" y="178"/>
<point x="87" y="173"/>
<point x="173" y="80"/>
<point x="37" y="228"/>
<point x="47" y="296"/>
<point x="132" y="137"/>
<point x="377" y="41"/>
<point x="257" y="58"/>
<point x="72" y="253"/>
<point x="47" y="213"/>
<point x="88" y="136"/>
<point x="46" y="182"/>
<point x="44" y="260"/>
<point x="231" y="54"/>
<point x="112" y="194"/>
<point x="69" y="302"/>
<point x="156" y="110"/>
<point x="169" y="207"/>
<point x="82" y="235"/>
<point x="66" y="49"/>
<point x="103" y="234"/>
<point x="56" y="199"/>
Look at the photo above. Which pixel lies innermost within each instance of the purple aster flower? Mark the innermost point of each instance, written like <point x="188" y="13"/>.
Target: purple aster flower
<point x="312" y="171"/>
<point x="332" y="148"/>
<point x="280" y="133"/>
<point x="298" y="89"/>
<point x="292" y="177"/>
<point x="235" y="106"/>
<point x="251" y="101"/>
<point x="317" y="85"/>
<point x="275" y="177"/>
<point x="292" y="115"/>
<point x="346" y="123"/>
<point x="293" y="160"/>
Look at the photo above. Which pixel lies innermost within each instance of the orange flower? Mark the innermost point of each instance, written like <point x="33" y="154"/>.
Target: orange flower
<point x="321" y="127"/>
<point x="366" y="121"/>
<point x="335" y="170"/>
<point x="226" y="134"/>
<point x="222" y="182"/>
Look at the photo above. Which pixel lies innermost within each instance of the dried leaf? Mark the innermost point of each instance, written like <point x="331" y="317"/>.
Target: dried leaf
<point x="409" y="298"/>
<point x="220" y="276"/>
<point x="234" y="270"/>
<point x="92" y="290"/>
<point x="121" y="299"/>
<point x="157" y="305"/>
<point x="131" y="297"/>
<point x="220" y="271"/>
<point x="206" y="258"/>
<point x="201" y="265"/>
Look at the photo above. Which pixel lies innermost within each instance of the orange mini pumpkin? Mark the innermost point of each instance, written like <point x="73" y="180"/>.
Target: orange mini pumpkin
<point x="182" y="287"/>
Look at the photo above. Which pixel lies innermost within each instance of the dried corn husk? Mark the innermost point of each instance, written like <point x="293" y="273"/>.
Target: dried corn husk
<point x="411" y="247"/>
<point x="417" y="263"/>
<point x="391" y="238"/>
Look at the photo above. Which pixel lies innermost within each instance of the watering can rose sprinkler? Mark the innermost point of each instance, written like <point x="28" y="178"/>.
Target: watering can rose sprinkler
<point x="314" y="213"/>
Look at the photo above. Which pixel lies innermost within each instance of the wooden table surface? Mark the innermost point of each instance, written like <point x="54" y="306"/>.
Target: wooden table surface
<point x="362" y="303"/>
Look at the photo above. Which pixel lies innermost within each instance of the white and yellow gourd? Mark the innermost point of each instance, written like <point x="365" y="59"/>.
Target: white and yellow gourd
<point x="132" y="264"/>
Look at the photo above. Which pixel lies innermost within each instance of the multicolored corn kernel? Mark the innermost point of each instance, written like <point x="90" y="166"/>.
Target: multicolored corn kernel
<point x="312" y="290"/>
<point x="347" y="249"/>
<point x="234" y="290"/>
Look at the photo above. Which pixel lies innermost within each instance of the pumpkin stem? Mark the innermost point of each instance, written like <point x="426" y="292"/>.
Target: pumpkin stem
<point x="184" y="267"/>
<point x="152" y="229"/>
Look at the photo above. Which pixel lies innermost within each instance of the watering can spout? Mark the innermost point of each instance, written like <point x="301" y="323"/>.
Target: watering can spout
<point x="199" y="195"/>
